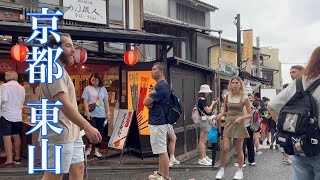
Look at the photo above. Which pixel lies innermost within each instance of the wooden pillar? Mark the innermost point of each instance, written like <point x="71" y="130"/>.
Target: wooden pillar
<point x="164" y="59"/>
<point x="101" y="48"/>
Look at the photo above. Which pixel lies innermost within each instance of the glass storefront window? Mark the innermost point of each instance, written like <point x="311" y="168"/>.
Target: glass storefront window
<point x="116" y="10"/>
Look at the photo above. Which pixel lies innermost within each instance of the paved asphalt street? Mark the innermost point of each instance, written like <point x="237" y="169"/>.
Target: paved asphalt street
<point x="269" y="166"/>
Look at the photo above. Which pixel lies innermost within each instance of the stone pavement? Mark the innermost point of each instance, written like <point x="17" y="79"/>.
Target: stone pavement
<point x="269" y="166"/>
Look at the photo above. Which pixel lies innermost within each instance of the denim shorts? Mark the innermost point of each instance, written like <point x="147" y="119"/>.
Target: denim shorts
<point x="205" y="126"/>
<point x="71" y="153"/>
<point x="306" y="167"/>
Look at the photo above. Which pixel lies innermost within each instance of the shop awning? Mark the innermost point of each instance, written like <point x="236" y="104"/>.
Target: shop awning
<point x="246" y="75"/>
<point x="179" y="61"/>
<point x="95" y="34"/>
<point x="265" y="68"/>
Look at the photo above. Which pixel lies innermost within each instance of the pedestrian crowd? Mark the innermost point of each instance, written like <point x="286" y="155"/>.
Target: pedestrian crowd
<point x="249" y="120"/>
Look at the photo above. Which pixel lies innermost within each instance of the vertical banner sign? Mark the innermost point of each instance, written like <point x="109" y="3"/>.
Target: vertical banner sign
<point x="44" y="68"/>
<point x="140" y="84"/>
<point x="121" y="129"/>
<point x="247" y="54"/>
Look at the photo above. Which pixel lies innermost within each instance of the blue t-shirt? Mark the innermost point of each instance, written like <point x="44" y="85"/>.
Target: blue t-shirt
<point x="90" y="93"/>
<point x="161" y="96"/>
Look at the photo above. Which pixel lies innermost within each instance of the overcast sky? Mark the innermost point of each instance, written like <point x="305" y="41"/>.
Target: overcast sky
<point x="293" y="26"/>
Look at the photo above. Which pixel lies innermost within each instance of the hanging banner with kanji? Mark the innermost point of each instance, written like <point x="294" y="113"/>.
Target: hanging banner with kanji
<point x="247" y="54"/>
<point x="140" y="84"/>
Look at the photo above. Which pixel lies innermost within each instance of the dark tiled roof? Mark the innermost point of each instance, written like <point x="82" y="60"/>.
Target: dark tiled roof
<point x="96" y="33"/>
<point x="148" y="16"/>
<point x="162" y="19"/>
<point x="206" y="5"/>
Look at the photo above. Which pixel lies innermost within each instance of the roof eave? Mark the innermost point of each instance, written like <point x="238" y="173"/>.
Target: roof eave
<point x="205" y="5"/>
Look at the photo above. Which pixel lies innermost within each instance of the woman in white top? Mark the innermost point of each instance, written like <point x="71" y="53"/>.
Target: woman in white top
<point x="303" y="167"/>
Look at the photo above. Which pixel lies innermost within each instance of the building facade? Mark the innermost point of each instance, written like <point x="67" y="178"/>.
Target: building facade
<point x="188" y="61"/>
<point x="271" y="67"/>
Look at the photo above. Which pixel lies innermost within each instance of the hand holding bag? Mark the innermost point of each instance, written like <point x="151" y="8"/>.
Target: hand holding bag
<point x="213" y="135"/>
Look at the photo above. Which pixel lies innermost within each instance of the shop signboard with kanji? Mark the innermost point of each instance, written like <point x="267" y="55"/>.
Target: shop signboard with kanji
<point x="93" y="11"/>
<point x="121" y="129"/>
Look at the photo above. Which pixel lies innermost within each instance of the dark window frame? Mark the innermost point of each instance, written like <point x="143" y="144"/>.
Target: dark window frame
<point x="190" y="15"/>
<point x="115" y="21"/>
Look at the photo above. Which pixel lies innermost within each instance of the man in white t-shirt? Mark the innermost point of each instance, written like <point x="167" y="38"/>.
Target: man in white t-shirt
<point x="12" y="99"/>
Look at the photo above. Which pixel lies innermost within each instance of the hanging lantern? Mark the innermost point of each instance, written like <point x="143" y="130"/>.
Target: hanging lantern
<point x="80" y="56"/>
<point x="19" y="52"/>
<point x="131" y="58"/>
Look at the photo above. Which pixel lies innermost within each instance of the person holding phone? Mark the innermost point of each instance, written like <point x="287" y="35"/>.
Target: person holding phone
<point x="205" y="111"/>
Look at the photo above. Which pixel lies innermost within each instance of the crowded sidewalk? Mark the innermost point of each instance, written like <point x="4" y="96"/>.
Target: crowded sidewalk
<point x="269" y="166"/>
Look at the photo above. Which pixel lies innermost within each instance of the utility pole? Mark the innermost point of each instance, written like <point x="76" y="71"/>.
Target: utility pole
<point x="220" y="44"/>
<point x="239" y="57"/>
<point x="258" y="58"/>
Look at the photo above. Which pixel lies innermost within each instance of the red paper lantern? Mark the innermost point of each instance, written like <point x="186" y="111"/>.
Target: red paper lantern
<point x="80" y="55"/>
<point x="131" y="58"/>
<point x="19" y="52"/>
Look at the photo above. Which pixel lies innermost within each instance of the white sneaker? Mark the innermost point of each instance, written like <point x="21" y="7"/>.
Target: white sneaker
<point x="88" y="152"/>
<point x="237" y="165"/>
<point x="238" y="175"/>
<point x="258" y="153"/>
<point x="220" y="174"/>
<point x="252" y="164"/>
<point x="204" y="162"/>
<point x="208" y="159"/>
<point x="97" y="154"/>
<point x="162" y="178"/>
<point x="174" y="161"/>
<point x="154" y="176"/>
<point x="286" y="161"/>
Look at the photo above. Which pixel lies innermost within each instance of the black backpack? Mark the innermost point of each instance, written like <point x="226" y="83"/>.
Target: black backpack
<point x="298" y="129"/>
<point x="175" y="109"/>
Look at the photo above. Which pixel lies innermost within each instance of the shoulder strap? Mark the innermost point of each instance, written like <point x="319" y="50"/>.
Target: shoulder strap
<point x="299" y="85"/>
<point x="203" y="114"/>
<point x="168" y="87"/>
<point x="161" y="104"/>
<point x="243" y="99"/>
<point x="313" y="86"/>
<point x="98" y="94"/>
<point x="226" y="104"/>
